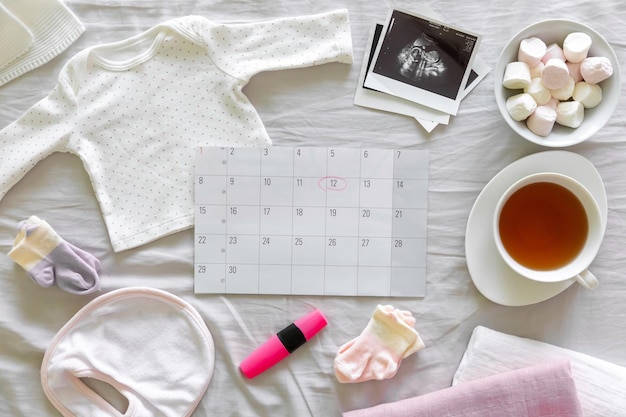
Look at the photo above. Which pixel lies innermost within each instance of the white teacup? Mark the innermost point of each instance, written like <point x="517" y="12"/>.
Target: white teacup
<point x="548" y="228"/>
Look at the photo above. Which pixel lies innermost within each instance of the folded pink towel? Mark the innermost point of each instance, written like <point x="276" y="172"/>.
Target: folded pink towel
<point x="546" y="390"/>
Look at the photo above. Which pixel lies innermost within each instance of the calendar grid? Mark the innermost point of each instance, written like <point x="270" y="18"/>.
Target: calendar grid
<point x="259" y="220"/>
<point x="325" y="224"/>
<point x="293" y="175"/>
<point x="318" y="221"/>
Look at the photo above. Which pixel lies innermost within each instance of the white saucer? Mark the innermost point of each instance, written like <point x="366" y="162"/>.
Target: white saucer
<point x="491" y="275"/>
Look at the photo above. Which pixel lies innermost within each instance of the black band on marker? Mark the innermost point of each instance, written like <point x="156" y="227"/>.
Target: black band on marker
<point x="291" y="337"/>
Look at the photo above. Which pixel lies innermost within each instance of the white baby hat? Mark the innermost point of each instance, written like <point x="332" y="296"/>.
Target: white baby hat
<point x="149" y="345"/>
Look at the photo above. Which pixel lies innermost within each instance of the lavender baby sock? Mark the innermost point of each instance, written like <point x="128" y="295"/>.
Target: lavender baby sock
<point x="48" y="259"/>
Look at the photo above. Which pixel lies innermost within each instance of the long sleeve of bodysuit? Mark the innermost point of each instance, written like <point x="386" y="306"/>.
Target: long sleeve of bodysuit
<point x="45" y="128"/>
<point x="245" y="49"/>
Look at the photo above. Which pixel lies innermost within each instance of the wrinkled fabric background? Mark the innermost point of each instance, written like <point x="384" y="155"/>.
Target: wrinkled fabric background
<point x="314" y="107"/>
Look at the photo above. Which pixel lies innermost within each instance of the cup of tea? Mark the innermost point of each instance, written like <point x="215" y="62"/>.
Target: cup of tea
<point x="548" y="228"/>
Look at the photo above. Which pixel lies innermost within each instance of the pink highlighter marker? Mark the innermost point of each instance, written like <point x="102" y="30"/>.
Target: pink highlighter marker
<point x="280" y="345"/>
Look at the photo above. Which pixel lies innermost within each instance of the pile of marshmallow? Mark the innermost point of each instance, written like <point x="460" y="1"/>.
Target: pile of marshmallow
<point x="558" y="83"/>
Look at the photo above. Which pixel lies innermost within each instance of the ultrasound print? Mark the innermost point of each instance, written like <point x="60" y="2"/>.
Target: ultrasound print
<point x="425" y="54"/>
<point x="421" y="59"/>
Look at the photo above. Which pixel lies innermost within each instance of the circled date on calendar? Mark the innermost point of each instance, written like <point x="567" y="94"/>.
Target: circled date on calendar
<point x="310" y="221"/>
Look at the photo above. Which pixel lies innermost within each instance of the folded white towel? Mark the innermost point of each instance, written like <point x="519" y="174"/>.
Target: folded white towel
<point x="600" y="384"/>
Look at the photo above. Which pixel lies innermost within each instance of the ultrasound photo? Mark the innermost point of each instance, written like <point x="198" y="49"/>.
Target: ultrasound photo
<point x="423" y="55"/>
<point x="422" y="59"/>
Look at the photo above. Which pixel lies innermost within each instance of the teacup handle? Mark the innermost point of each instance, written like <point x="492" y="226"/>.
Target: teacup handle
<point x="587" y="279"/>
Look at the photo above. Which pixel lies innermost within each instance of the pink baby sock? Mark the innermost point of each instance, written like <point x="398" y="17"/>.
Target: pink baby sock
<point x="377" y="352"/>
<point x="50" y="260"/>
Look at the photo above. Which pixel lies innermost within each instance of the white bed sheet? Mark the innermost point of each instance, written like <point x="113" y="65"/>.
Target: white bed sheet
<point x="314" y="106"/>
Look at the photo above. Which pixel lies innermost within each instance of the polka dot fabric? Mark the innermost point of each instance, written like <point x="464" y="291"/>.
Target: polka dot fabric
<point x="134" y="111"/>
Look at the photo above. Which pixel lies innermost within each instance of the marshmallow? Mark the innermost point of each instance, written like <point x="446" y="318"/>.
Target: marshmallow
<point x="516" y="75"/>
<point x="552" y="103"/>
<point x="541" y="121"/>
<point x="596" y="69"/>
<point x="590" y="95"/>
<point x="536" y="70"/>
<point x="576" y="46"/>
<point x="574" y="70"/>
<point x="564" y="93"/>
<point x="555" y="74"/>
<point x="570" y="113"/>
<point x="539" y="91"/>
<point x="553" y="51"/>
<point x="520" y="106"/>
<point x="531" y="50"/>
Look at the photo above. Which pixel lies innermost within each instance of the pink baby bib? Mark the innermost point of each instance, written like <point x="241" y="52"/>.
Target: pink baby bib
<point x="148" y="345"/>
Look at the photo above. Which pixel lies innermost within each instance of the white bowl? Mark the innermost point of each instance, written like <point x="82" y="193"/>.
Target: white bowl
<point x="555" y="31"/>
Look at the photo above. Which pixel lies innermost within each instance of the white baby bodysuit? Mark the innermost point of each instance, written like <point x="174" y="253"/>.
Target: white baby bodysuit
<point x="135" y="110"/>
<point x="135" y="351"/>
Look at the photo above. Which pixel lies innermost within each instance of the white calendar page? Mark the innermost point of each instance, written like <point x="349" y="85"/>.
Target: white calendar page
<point x="316" y="221"/>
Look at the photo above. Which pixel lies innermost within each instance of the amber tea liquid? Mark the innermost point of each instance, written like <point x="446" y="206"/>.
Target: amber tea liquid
<point x="543" y="226"/>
